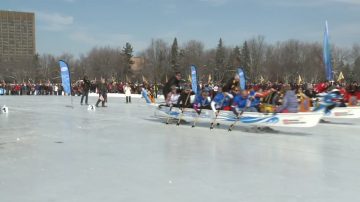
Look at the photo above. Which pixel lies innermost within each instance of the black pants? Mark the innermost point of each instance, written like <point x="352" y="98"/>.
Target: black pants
<point x="330" y="107"/>
<point x="86" y="95"/>
<point x="128" y="99"/>
<point x="98" y="102"/>
<point x="102" y="102"/>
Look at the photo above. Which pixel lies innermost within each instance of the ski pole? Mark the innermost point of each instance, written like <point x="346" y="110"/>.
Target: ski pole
<point x="248" y="104"/>
<point x="182" y="109"/>
<point x="196" y="119"/>
<point x="214" y="121"/>
<point x="217" y="114"/>
<point x="237" y="119"/>
<point x="168" y="119"/>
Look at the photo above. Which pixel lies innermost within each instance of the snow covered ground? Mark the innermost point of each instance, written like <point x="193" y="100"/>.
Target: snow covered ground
<point x="53" y="153"/>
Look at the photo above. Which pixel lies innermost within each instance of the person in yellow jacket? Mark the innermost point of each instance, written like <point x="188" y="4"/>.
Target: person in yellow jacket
<point x="304" y="101"/>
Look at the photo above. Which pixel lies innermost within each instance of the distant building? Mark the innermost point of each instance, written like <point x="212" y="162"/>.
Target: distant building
<point x="17" y="35"/>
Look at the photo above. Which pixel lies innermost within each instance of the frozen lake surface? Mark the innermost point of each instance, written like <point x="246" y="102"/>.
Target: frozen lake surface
<point x="52" y="153"/>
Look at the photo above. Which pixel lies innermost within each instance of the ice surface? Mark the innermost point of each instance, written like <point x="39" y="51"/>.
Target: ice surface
<point x="52" y="153"/>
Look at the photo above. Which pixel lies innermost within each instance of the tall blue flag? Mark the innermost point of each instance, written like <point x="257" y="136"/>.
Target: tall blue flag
<point x="327" y="55"/>
<point x="241" y="74"/>
<point x="194" y="79"/>
<point x="65" y="77"/>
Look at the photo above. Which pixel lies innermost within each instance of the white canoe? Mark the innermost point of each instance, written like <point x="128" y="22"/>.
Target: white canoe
<point x="343" y="113"/>
<point x="302" y="120"/>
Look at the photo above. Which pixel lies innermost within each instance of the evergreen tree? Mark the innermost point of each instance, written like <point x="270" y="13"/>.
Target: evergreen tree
<point x="174" y="55"/>
<point x="235" y="58"/>
<point x="127" y="52"/>
<point x="245" y="58"/>
<point x="220" y="55"/>
<point x="220" y="60"/>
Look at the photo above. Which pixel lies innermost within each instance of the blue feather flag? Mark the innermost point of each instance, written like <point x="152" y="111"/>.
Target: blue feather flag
<point x="241" y="74"/>
<point x="194" y="79"/>
<point x="65" y="77"/>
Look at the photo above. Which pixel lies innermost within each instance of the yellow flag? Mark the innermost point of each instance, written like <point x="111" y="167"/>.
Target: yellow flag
<point x="262" y="79"/>
<point x="341" y="77"/>
<point x="189" y="78"/>
<point x="209" y="80"/>
<point x="300" y="80"/>
<point x="144" y="79"/>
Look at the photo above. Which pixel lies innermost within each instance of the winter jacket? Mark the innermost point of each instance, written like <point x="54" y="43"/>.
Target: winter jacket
<point x="290" y="103"/>
<point x="173" y="81"/>
<point x="127" y="91"/>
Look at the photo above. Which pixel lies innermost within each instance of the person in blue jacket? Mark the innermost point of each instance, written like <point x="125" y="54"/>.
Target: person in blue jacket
<point x="255" y="100"/>
<point x="243" y="102"/>
<point x="202" y="101"/>
<point x="328" y="101"/>
<point x="221" y="101"/>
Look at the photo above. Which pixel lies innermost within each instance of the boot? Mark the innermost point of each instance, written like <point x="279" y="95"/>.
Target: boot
<point x="103" y="104"/>
<point x="97" y="103"/>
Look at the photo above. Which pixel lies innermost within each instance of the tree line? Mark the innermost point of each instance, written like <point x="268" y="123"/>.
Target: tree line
<point x="283" y="61"/>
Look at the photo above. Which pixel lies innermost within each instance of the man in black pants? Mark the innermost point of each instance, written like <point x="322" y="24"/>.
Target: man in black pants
<point x="86" y="87"/>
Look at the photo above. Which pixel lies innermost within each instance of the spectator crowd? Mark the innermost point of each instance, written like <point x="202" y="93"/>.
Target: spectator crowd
<point x="48" y="88"/>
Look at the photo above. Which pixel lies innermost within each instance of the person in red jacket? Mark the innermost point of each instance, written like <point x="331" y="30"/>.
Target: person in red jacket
<point x="353" y="94"/>
<point x="17" y="89"/>
<point x="322" y="87"/>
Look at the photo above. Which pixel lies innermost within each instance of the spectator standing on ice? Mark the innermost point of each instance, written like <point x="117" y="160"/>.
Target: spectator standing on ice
<point x="85" y="90"/>
<point x="37" y="89"/>
<point x="127" y="91"/>
<point x="61" y="88"/>
<point x="102" y="90"/>
<point x="56" y="89"/>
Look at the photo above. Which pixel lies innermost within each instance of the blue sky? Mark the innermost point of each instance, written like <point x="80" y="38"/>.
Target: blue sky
<point x="75" y="26"/>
